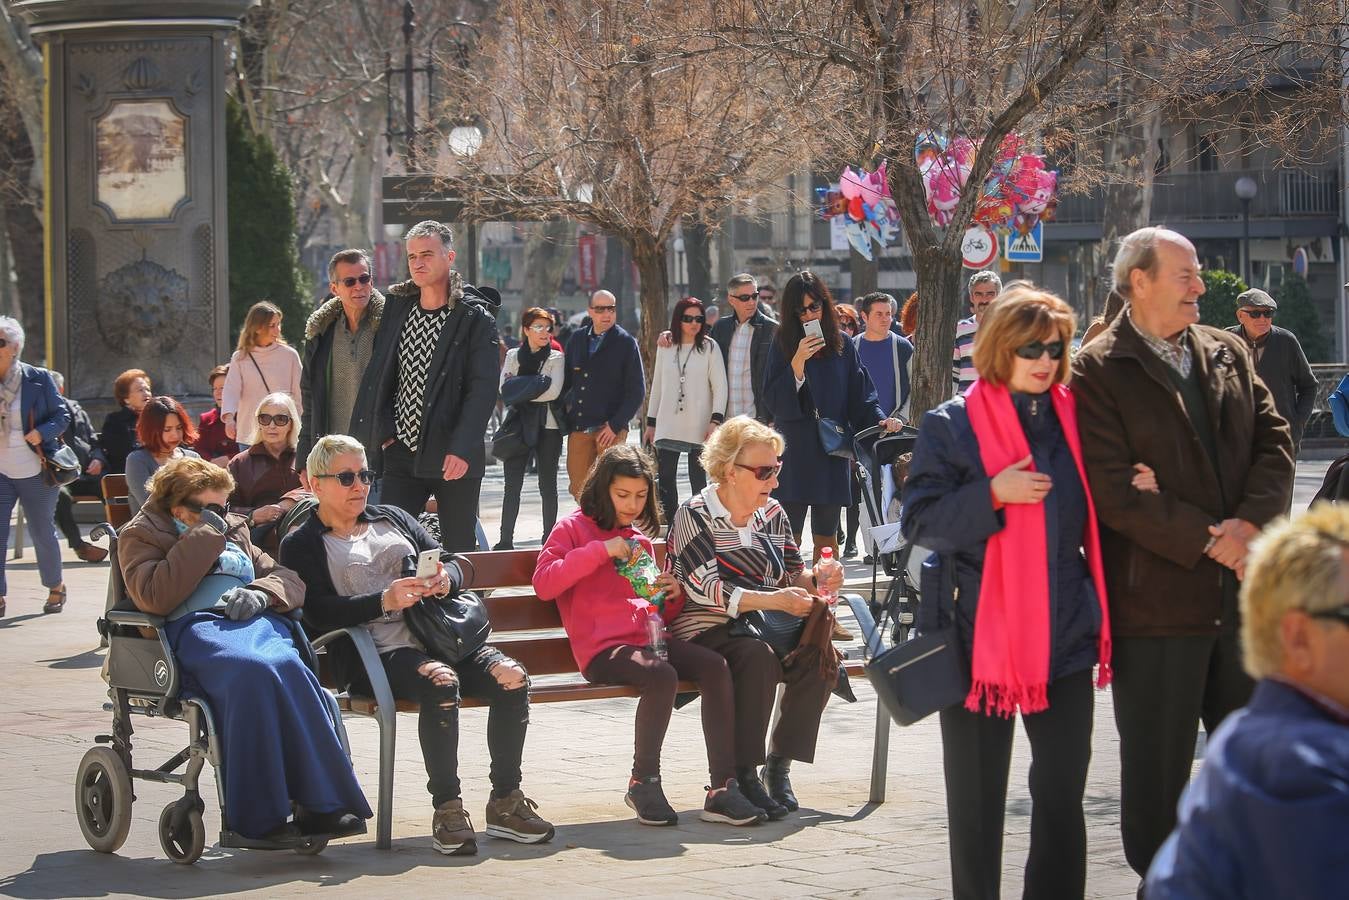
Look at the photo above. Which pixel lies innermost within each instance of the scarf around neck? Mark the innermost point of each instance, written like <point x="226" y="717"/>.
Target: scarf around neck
<point x="11" y="386"/>
<point x="1010" y="668"/>
<point x="529" y="362"/>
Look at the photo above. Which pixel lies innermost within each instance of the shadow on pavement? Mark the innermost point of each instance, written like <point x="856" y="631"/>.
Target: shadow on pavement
<point x="89" y="659"/>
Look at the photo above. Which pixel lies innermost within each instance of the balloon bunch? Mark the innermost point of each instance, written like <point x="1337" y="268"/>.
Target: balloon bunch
<point x="862" y="201"/>
<point x="1017" y="193"/>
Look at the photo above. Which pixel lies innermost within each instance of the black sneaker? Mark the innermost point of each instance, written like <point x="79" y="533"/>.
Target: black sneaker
<point x="728" y="805"/>
<point x="647" y="799"/>
<point x="756" y="793"/>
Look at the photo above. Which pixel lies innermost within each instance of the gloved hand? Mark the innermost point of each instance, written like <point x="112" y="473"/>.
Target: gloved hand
<point x="244" y="603"/>
<point x="210" y="518"/>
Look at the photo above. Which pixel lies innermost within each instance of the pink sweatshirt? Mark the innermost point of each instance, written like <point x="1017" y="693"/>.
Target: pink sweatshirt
<point x="597" y="604"/>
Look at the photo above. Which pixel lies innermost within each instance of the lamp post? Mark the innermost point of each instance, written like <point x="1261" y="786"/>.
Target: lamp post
<point x="679" y="266"/>
<point x="1246" y="189"/>
<point x="465" y="139"/>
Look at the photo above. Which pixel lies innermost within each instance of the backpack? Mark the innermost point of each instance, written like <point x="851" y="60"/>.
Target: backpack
<point x="1339" y="406"/>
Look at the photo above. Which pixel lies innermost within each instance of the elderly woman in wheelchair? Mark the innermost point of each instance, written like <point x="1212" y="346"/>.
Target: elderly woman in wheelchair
<point x="186" y="559"/>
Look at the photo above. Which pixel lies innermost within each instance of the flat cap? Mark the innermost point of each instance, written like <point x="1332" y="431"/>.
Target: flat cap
<point x="1256" y="297"/>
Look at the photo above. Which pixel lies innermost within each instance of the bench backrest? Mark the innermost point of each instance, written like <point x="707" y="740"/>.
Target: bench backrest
<point x="116" y="500"/>
<point x="516" y="616"/>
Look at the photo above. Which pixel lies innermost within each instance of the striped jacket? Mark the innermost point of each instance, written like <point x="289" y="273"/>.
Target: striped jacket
<point x="716" y="562"/>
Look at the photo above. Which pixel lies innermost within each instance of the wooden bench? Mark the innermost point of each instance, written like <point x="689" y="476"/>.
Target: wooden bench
<point x="526" y="629"/>
<point x="116" y="500"/>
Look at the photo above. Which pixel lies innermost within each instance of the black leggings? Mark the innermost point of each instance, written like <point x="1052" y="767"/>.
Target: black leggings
<point x="823" y="519"/>
<point x="487" y="675"/>
<point x="977" y="753"/>
<point x="667" y="471"/>
<point x="547" y="453"/>
<point x="656" y="680"/>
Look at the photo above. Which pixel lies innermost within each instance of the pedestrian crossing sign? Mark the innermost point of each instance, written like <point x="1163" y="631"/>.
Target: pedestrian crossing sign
<point x="1025" y="248"/>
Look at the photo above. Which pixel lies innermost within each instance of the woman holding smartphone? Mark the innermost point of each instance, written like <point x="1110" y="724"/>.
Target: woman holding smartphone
<point x="814" y="372"/>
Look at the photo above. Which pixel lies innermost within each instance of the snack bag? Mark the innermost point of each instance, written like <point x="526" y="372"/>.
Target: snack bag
<point x="641" y="571"/>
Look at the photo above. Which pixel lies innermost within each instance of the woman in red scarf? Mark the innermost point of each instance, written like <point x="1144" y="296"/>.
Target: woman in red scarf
<point x="997" y="491"/>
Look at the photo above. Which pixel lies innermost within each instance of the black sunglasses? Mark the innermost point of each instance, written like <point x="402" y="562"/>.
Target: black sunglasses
<point x="267" y="418"/>
<point x="763" y="473"/>
<point x="347" y="479"/>
<point x="603" y="309"/>
<point x="1259" y="313"/>
<point x="1338" y="614"/>
<point x="353" y="280"/>
<point x="688" y="318"/>
<point x="1036" y="349"/>
<point x="216" y="508"/>
<point x="753" y="296"/>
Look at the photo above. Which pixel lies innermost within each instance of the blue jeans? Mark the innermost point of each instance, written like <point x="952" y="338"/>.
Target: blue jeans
<point x="39" y="507"/>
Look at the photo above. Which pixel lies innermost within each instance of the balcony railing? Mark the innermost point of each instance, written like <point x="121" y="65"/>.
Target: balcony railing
<point x="1197" y="196"/>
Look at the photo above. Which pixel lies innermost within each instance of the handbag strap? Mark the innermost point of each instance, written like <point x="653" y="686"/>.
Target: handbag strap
<point x="266" y="387"/>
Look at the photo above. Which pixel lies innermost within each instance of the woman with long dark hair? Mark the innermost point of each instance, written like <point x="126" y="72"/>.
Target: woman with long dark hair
<point x="687" y="402"/>
<point x="808" y="378"/>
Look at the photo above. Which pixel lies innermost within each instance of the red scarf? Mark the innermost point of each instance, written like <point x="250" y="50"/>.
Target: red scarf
<point x="1011" y="624"/>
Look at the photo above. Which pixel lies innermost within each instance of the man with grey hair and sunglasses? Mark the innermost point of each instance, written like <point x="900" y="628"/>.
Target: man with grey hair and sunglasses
<point x="984" y="287"/>
<point x="430" y="388"/>
<point x="1279" y="360"/>
<point x="1187" y="460"/>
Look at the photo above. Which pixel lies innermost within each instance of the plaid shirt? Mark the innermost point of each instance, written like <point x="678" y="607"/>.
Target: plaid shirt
<point x="1178" y="355"/>
<point x="739" y="380"/>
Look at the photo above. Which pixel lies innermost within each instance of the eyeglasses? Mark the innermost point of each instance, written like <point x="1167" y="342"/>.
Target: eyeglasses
<point x="603" y="309"/>
<point x="745" y="297"/>
<point x="1259" y="313"/>
<point x="808" y="308"/>
<point x="353" y="280"/>
<point x="216" y="508"/>
<point x="691" y="319"/>
<point x="541" y="328"/>
<point x="763" y="473"/>
<point x="1036" y="349"/>
<point x="347" y="479"/>
<point x="1338" y="614"/>
<point x="267" y="419"/>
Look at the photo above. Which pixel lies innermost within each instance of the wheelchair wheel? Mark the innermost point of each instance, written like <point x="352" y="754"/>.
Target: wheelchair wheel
<point x="103" y="799"/>
<point x="312" y="847"/>
<point x="185" y="843"/>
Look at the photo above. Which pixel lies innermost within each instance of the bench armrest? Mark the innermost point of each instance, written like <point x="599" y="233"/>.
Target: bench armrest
<point x="369" y="656"/>
<point x="871" y="635"/>
<point x="135" y="618"/>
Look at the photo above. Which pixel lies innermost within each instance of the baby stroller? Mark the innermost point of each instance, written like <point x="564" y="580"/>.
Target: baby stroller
<point x="143" y="680"/>
<point x="877" y="457"/>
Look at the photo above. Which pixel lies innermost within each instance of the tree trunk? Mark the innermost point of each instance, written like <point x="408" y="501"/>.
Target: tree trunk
<point x="865" y="274"/>
<point x="615" y="279"/>
<point x="548" y="250"/>
<point x="649" y="254"/>
<point x="1132" y="154"/>
<point x="698" y="257"/>
<point x="938" y="311"/>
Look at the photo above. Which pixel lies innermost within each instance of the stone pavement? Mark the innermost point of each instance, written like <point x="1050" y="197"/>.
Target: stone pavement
<point x="576" y="762"/>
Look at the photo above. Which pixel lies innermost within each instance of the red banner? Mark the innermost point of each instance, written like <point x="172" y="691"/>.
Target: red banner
<point x="587" y="274"/>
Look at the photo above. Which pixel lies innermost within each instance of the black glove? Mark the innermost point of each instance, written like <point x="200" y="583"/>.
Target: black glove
<point x="244" y="603"/>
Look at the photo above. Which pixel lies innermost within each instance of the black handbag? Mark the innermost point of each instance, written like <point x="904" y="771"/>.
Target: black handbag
<point x="928" y="672"/>
<point x="779" y="630"/>
<point x="835" y="437"/>
<point x="509" y="441"/>
<point x="59" y="467"/>
<point x="451" y="627"/>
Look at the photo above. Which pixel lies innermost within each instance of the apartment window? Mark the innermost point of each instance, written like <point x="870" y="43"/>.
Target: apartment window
<point x="1163" y="164"/>
<point x="1205" y="153"/>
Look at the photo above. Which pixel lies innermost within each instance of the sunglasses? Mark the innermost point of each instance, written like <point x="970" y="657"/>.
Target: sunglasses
<point x="540" y="329"/>
<point x="808" y="308"/>
<point x="267" y="419"/>
<point x="753" y="296"/>
<point x="1338" y="614"/>
<point x="347" y="479"/>
<point x="763" y="473"/>
<point x="691" y="319"/>
<point x="1259" y="313"/>
<point x="353" y="280"/>
<point x="216" y="508"/>
<point x="1036" y="349"/>
<point x="603" y="309"/>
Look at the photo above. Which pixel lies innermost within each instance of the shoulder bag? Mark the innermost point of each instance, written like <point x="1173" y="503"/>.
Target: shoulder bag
<point x="60" y="467"/>
<point x="265" y="386"/>
<point x="452" y="627"/>
<point x="926" y="673"/>
<point x="835" y="437"/>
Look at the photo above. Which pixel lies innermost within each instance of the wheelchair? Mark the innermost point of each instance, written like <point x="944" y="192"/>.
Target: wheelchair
<point x="143" y="680"/>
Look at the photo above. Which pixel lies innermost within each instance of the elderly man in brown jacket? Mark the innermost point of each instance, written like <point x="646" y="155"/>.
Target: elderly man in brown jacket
<point x="1182" y="399"/>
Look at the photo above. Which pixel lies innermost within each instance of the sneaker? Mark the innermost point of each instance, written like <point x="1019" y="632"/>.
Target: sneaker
<point x="756" y="793"/>
<point x="727" y="804"/>
<point x="513" y="818"/>
<point x="646" y="797"/>
<point x="452" y="830"/>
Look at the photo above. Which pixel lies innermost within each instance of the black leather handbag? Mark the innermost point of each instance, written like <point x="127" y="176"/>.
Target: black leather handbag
<point x="928" y="672"/>
<point x="452" y="627"/>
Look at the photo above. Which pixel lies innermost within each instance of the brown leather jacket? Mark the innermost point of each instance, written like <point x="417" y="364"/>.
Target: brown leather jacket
<point x="1129" y="411"/>
<point x="161" y="567"/>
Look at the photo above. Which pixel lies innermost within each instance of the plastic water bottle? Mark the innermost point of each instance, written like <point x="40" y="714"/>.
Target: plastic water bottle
<point x="655" y="632"/>
<point x="823" y="569"/>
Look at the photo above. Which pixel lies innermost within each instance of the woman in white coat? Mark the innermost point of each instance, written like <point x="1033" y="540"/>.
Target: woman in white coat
<point x="688" y="400"/>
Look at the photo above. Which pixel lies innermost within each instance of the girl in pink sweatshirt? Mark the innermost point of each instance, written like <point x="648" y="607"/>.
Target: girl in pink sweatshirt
<point x="606" y="622"/>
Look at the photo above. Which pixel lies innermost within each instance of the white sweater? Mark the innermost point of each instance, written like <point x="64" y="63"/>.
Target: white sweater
<point x="244" y="388"/>
<point x="554" y="367"/>
<point x="704" y="391"/>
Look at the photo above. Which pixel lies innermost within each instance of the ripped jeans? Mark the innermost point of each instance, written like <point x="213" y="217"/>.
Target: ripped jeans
<point x="488" y="675"/>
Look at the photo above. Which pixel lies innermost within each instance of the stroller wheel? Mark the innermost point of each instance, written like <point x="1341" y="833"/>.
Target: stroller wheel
<point x="103" y="799"/>
<point x="183" y="843"/>
<point x="312" y="847"/>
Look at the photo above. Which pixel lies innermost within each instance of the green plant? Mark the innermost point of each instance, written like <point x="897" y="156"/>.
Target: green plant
<point x="1298" y="314"/>
<point x="263" y="258"/>
<point x="1218" y="305"/>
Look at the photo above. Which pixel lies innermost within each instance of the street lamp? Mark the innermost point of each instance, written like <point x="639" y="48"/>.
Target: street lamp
<point x="679" y="266"/>
<point x="1246" y="189"/>
<point x="464" y="140"/>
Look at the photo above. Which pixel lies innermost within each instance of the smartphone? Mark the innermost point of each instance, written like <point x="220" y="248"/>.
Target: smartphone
<point x="426" y="563"/>
<point x="812" y="329"/>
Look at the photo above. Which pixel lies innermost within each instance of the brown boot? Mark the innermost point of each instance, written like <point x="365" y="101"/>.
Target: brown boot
<point x="91" y="553"/>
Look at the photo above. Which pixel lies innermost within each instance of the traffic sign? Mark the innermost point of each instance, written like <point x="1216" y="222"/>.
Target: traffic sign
<point x="1028" y="247"/>
<point x="979" y="247"/>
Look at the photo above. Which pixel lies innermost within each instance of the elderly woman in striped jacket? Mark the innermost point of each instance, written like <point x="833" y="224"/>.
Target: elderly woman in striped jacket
<point x="732" y="550"/>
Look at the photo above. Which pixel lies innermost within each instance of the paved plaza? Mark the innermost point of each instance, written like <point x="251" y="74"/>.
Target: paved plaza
<point x="576" y="764"/>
